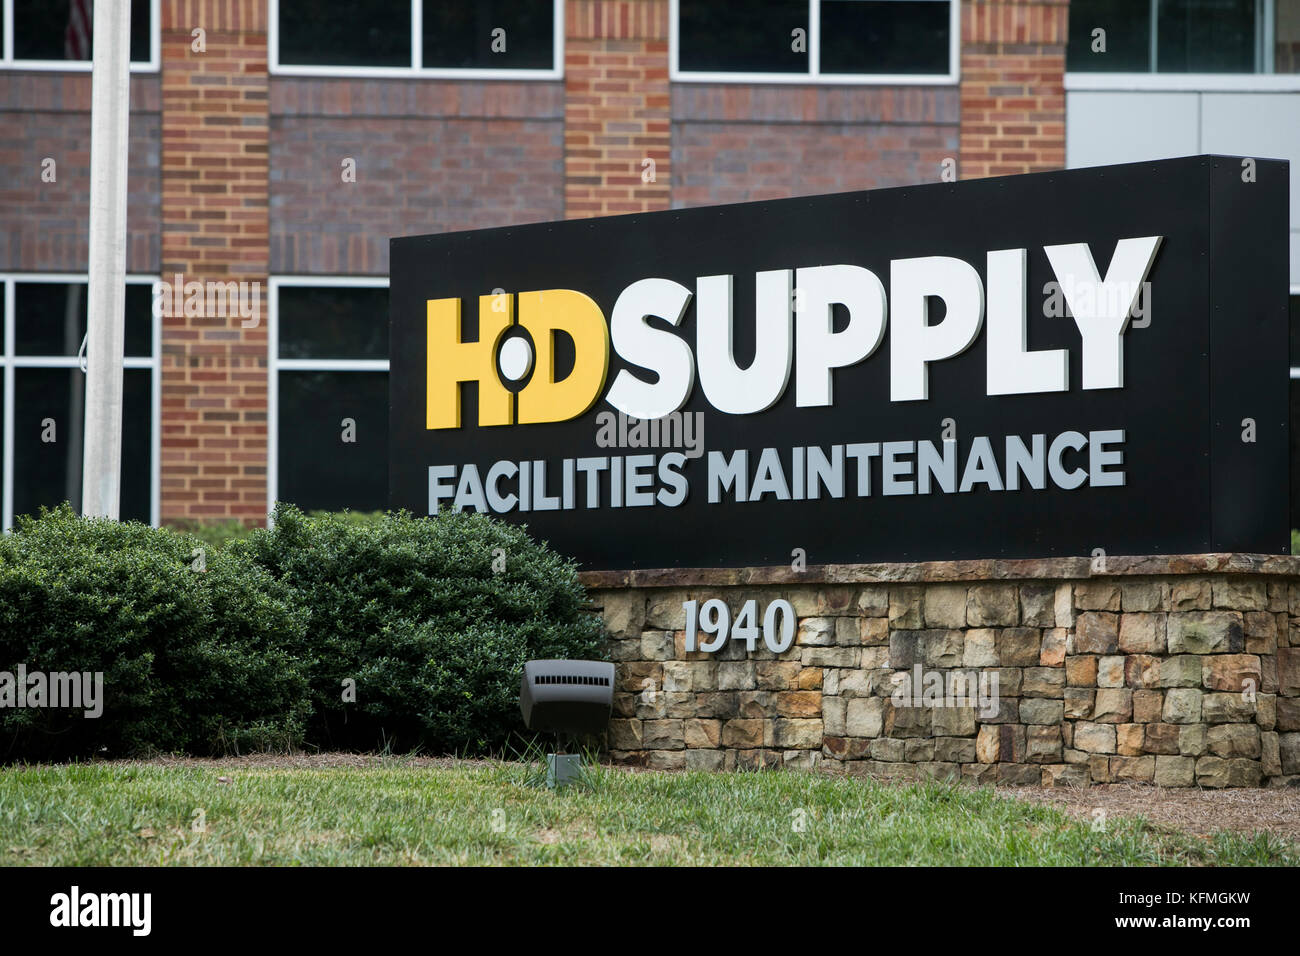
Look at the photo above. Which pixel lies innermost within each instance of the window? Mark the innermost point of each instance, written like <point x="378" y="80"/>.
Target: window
<point x="827" y="41"/>
<point x="43" y="406"/>
<point x="56" y="34"/>
<point x="329" y="393"/>
<point x="1184" y="36"/>
<point x="489" y="39"/>
<point x="754" y="37"/>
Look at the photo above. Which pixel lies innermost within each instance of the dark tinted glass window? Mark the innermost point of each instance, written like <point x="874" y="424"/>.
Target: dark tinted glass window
<point x="49" y="413"/>
<point x="1286" y="37"/>
<point x="338" y="323"/>
<point x="750" y="37"/>
<point x="48" y="30"/>
<point x="1124" y="47"/>
<point x="489" y="34"/>
<point x="1190" y="36"/>
<point x="345" y="32"/>
<point x="884" y="36"/>
<point x="317" y="468"/>
<point x="1205" y="36"/>
<point x="50" y="318"/>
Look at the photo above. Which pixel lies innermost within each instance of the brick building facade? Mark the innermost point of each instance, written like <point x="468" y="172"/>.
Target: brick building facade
<point x="247" y="168"/>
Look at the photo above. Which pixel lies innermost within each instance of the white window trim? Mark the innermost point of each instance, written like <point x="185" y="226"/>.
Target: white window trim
<point x="416" y="70"/>
<point x="7" y="61"/>
<point x="11" y="361"/>
<point x="275" y="364"/>
<point x="1183" y="82"/>
<point x="814" y="76"/>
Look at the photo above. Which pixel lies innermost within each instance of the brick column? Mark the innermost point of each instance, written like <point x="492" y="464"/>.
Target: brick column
<point x="616" y="107"/>
<point x="215" y="180"/>
<point x="1012" y="87"/>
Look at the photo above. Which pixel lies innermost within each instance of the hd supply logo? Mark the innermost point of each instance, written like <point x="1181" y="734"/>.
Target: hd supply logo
<point x="794" y="322"/>
<point x="1027" y="366"/>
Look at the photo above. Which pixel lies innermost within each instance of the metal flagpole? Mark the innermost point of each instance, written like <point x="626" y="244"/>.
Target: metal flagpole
<point x="106" y="298"/>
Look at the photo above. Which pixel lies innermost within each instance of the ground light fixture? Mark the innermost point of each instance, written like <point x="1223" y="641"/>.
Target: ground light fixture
<point x="568" y="699"/>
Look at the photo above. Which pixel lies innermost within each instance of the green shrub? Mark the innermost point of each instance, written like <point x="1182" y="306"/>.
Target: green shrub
<point x="214" y="535"/>
<point x="249" y="648"/>
<point x="198" y="661"/>
<point x="363" y="518"/>
<point x="413" y="612"/>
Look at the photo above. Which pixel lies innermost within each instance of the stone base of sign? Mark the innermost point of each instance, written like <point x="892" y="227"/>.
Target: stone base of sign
<point x="1179" y="670"/>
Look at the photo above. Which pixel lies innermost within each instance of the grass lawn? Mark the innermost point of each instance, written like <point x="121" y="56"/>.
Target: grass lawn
<point x="399" y="813"/>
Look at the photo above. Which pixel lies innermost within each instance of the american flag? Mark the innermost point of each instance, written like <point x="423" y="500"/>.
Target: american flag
<point x="76" y="41"/>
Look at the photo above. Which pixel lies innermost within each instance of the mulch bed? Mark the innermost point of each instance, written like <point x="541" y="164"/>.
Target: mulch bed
<point x="1275" y="810"/>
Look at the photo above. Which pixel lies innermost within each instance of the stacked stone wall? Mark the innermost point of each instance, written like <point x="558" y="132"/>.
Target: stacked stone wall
<point x="1178" y="671"/>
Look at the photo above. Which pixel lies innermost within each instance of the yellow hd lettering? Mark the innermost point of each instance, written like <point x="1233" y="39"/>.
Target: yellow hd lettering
<point x="542" y="314"/>
<point x="452" y="361"/>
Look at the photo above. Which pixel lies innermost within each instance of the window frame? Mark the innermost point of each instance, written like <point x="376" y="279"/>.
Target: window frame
<point x="1260" y="81"/>
<point x="10" y="362"/>
<point x="8" y="62"/>
<point x="416" y="69"/>
<point x="275" y="365"/>
<point x="1183" y="82"/>
<point x="814" y="76"/>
